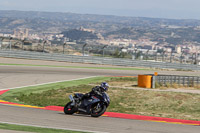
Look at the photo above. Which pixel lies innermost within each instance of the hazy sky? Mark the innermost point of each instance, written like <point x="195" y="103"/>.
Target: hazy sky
<point x="138" y="8"/>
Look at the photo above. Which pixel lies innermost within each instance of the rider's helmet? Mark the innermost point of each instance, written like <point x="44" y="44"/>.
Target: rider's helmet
<point x="104" y="86"/>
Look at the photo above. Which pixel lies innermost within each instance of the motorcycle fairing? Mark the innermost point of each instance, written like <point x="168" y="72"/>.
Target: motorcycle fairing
<point x="91" y="100"/>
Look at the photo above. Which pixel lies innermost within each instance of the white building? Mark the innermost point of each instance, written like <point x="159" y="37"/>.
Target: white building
<point x="178" y="49"/>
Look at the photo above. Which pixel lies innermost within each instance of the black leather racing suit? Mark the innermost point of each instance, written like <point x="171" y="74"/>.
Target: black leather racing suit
<point x="97" y="90"/>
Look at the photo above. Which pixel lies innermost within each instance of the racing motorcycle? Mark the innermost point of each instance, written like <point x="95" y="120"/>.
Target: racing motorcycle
<point x="94" y="105"/>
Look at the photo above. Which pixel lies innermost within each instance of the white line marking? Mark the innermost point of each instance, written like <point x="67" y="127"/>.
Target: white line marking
<point x="52" y="127"/>
<point x="50" y="83"/>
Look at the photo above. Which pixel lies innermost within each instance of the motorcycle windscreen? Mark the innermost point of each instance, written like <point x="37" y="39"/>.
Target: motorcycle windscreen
<point x="106" y="97"/>
<point x="78" y="95"/>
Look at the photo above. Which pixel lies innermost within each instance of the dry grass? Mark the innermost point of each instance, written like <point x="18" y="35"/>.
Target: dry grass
<point x="123" y="84"/>
<point x="197" y="86"/>
<point x="176" y="86"/>
<point x="162" y="104"/>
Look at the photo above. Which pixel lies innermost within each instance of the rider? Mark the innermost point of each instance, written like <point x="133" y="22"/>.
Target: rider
<point x="97" y="90"/>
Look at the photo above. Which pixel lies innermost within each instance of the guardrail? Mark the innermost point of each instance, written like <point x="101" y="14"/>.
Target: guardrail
<point x="96" y="60"/>
<point x="188" y="81"/>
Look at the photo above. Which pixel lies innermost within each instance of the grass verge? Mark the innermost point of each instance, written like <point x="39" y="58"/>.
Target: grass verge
<point x="34" y="129"/>
<point x="108" y="68"/>
<point x="12" y="94"/>
<point x="59" y="97"/>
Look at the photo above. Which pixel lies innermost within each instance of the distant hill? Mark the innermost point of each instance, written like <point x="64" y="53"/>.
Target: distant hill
<point x="172" y="31"/>
<point x="58" y="22"/>
<point x="65" y="17"/>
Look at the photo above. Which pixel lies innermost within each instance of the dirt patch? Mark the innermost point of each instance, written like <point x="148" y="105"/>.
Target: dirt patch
<point x="123" y="84"/>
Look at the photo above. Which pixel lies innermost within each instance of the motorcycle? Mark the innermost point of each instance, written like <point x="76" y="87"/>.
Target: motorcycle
<point x="94" y="105"/>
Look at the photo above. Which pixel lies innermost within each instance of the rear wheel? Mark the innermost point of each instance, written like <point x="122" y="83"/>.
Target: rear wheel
<point x="97" y="110"/>
<point x="68" y="109"/>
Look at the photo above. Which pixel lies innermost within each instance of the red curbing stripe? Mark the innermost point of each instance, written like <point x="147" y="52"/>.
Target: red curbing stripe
<point x="150" y="118"/>
<point x="10" y="103"/>
<point x="3" y="91"/>
<point x="54" y="108"/>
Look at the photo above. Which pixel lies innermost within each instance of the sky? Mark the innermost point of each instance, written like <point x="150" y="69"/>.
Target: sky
<point x="175" y="9"/>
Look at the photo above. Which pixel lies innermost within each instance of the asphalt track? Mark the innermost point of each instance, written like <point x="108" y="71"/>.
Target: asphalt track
<point x="16" y="76"/>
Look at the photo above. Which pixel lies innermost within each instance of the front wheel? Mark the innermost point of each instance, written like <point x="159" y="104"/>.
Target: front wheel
<point x="68" y="109"/>
<point x="97" y="110"/>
